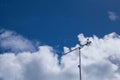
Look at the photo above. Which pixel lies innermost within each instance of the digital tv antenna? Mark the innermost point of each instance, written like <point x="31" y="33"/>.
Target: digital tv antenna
<point x="79" y="48"/>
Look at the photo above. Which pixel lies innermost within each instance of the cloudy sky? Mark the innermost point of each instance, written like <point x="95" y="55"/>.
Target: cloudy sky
<point x="34" y="34"/>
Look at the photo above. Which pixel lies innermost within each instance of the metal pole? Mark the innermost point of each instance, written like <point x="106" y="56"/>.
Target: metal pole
<point x="79" y="66"/>
<point x="80" y="60"/>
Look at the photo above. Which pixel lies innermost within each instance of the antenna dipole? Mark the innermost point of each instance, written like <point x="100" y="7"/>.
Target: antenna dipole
<point x="79" y="48"/>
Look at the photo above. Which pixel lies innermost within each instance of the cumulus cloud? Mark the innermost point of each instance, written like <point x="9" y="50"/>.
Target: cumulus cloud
<point x="113" y="16"/>
<point x="10" y="40"/>
<point x="100" y="61"/>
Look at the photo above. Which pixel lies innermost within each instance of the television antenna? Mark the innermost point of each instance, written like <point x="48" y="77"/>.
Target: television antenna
<point x="88" y="42"/>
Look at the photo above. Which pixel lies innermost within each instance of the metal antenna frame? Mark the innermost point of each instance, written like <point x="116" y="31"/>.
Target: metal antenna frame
<point x="79" y="48"/>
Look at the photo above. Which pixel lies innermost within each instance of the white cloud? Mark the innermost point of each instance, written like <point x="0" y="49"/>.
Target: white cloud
<point x="113" y="16"/>
<point x="100" y="61"/>
<point x="10" y="40"/>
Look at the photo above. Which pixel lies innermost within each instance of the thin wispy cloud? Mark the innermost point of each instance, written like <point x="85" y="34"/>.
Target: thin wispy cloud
<point x="10" y="40"/>
<point x="113" y="16"/>
<point x="100" y="61"/>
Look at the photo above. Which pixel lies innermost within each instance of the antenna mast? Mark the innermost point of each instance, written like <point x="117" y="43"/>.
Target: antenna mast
<point x="79" y="48"/>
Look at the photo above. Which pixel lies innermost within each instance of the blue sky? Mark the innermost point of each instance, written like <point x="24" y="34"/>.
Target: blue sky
<point x="58" y="22"/>
<point x="34" y="34"/>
